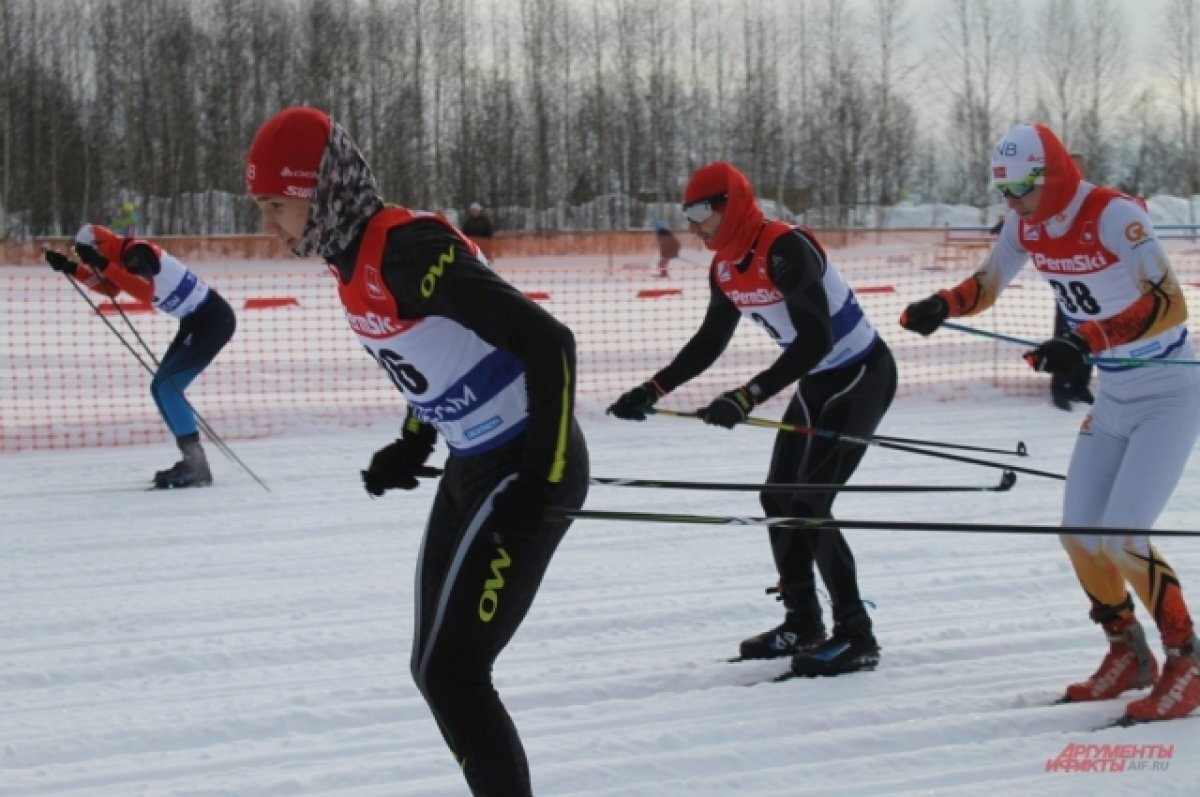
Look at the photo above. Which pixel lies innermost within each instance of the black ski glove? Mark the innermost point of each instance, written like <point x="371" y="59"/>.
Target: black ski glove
<point x="925" y="316"/>
<point x="632" y="406"/>
<point x="91" y="255"/>
<point x="519" y="510"/>
<point x="395" y="465"/>
<point x="728" y="409"/>
<point x="60" y="262"/>
<point x="1059" y="355"/>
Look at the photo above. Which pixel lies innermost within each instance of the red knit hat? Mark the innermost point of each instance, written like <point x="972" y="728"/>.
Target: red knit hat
<point x="708" y="182"/>
<point x="286" y="153"/>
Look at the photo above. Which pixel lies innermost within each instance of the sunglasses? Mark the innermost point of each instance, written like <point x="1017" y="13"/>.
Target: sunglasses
<point x="1018" y="188"/>
<point x="701" y="210"/>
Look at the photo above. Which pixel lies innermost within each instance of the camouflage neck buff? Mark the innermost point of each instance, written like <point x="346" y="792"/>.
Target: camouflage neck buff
<point x="346" y="197"/>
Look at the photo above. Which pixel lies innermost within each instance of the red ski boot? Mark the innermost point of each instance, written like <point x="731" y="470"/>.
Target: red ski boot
<point x="1177" y="692"/>
<point x="1129" y="664"/>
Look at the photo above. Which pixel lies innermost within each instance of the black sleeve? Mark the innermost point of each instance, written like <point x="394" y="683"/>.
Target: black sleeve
<point x="430" y="270"/>
<point x="797" y="268"/>
<point x="720" y="321"/>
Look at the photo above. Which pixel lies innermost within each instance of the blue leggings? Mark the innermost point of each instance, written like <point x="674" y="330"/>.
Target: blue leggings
<point x="201" y="335"/>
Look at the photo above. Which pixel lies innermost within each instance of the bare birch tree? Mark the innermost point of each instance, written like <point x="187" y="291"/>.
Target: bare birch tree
<point x="539" y="107"/>
<point x="975" y="69"/>
<point x="1182" y="40"/>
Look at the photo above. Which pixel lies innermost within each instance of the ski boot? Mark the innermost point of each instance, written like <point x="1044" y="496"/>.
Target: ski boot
<point x="1177" y="691"/>
<point x="191" y="471"/>
<point x="1129" y="664"/>
<point x="851" y="648"/>
<point x="801" y="629"/>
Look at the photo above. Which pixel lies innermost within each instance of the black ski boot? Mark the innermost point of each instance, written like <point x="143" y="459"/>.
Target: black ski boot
<point x="191" y="471"/>
<point x="851" y="648"/>
<point x="801" y="629"/>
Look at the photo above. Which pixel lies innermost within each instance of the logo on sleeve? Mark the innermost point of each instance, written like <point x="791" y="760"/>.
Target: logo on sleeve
<point x="1135" y="231"/>
<point x="429" y="281"/>
<point x="374" y="289"/>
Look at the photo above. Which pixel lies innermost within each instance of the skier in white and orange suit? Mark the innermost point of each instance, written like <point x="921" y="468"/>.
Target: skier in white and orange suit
<point x="1114" y="283"/>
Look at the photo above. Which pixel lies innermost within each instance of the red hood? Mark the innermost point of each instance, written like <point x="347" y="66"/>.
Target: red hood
<point x="1062" y="177"/>
<point x="742" y="218"/>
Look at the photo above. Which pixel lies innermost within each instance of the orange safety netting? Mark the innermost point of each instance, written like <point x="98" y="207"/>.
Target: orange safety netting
<point x="67" y="381"/>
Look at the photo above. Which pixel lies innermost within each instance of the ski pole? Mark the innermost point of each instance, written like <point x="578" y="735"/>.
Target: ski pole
<point x="1131" y="361"/>
<point x="869" y="441"/>
<point x="1020" y="451"/>
<point x="200" y="422"/>
<point x="795" y="522"/>
<point x="1007" y="480"/>
<point x="983" y="333"/>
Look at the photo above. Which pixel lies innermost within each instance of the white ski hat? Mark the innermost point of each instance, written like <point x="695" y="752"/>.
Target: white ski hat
<point x="1020" y="154"/>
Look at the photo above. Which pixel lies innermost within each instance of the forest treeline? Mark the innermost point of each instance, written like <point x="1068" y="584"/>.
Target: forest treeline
<point x="577" y="113"/>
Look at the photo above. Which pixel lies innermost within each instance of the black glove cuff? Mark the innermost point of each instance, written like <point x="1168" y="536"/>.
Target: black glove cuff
<point x="1078" y="341"/>
<point x="91" y="256"/>
<point x="418" y="443"/>
<point x="60" y="262"/>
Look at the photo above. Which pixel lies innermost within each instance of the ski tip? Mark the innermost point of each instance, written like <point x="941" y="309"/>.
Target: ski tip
<point x="1007" y="479"/>
<point x="1123" y="721"/>
<point x="1127" y="721"/>
<point x="786" y="675"/>
<point x="1022" y="451"/>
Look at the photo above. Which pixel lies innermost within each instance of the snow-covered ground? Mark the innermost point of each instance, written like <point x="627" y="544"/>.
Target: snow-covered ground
<point x="231" y="642"/>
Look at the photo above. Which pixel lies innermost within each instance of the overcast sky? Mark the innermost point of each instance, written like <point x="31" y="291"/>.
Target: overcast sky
<point x="1141" y="18"/>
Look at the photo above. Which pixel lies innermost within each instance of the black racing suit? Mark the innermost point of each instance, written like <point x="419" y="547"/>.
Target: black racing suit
<point x="473" y="590"/>
<point x="849" y="400"/>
